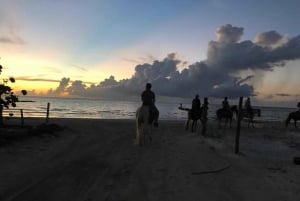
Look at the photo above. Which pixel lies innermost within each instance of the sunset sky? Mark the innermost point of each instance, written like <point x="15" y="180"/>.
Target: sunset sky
<point x="111" y="48"/>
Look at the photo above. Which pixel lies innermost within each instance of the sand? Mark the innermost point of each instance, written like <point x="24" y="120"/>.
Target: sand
<point x="98" y="160"/>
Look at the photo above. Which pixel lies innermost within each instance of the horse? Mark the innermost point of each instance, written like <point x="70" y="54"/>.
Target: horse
<point x="249" y="114"/>
<point x="293" y="115"/>
<point x="227" y="114"/>
<point x="193" y="116"/>
<point x="143" y="124"/>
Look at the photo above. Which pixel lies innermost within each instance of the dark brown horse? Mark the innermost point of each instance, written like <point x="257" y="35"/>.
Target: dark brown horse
<point x="225" y="114"/>
<point x="193" y="116"/>
<point x="248" y="114"/>
<point x="293" y="115"/>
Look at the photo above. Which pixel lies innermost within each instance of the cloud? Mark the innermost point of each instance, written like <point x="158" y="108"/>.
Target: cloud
<point x="80" y="68"/>
<point x="283" y="94"/>
<point x="270" y="39"/>
<point x="26" y="78"/>
<point x="217" y="76"/>
<point x="11" y="40"/>
<point x="61" y="88"/>
<point x="10" y="29"/>
<point x="77" y="88"/>
<point x="229" y="34"/>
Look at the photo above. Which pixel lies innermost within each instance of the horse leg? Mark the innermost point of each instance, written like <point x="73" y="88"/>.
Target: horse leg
<point x="193" y="124"/>
<point x="146" y="132"/>
<point x="249" y="121"/>
<point x="226" y="122"/>
<point x="187" y="124"/>
<point x="295" y="122"/>
<point x="230" y="120"/>
<point x="252" y="122"/>
<point x="138" y="132"/>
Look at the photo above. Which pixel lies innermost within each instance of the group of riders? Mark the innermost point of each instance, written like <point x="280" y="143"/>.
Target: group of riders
<point x="196" y="106"/>
<point x="248" y="108"/>
<point x="197" y="111"/>
<point x="148" y="99"/>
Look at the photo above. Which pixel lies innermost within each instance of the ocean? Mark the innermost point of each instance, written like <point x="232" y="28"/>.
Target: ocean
<point x="119" y="109"/>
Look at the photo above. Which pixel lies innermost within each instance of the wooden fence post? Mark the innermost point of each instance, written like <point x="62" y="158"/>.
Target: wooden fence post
<point x="238" y="128"/>
<point x="48" y="109"/>
<point x="204" y="116"/>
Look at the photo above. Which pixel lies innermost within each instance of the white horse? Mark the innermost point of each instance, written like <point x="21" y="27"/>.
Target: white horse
<point x="143" y="127"/>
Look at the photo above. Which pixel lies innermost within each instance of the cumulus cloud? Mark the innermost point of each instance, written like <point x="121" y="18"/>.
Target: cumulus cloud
<point x="77" y="88"/>
<point x="61" y="87"/>
<point x="229" y="34"/>
<point x="217" y="76"/>
<point x="270" y="39"/>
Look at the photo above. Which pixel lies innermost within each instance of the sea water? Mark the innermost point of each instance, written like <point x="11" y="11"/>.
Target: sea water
<point x="119" y="109"/>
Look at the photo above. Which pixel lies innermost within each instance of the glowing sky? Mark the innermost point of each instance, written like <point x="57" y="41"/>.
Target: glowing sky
<point x="42" y="42"/>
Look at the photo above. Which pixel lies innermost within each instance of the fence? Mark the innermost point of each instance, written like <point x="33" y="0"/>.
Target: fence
<point x="21" y="113"/>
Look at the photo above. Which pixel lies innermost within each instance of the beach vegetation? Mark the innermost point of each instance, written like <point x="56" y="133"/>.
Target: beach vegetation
<point x="7" y="96"/>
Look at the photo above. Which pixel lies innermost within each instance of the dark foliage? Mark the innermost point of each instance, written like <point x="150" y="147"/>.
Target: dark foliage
<point x="7" y="96"/>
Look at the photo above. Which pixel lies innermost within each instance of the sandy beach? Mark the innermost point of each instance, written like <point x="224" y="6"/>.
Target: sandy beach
<point x="93" y="160"/>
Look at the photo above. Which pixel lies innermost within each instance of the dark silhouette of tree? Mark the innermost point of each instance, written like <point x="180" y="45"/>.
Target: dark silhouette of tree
<point x="7" y="96"/>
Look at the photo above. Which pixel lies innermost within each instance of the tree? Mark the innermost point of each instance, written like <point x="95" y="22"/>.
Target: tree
<point x="7" y="96"/>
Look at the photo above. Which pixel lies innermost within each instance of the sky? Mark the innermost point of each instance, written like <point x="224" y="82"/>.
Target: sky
<point x="112" y="48"/>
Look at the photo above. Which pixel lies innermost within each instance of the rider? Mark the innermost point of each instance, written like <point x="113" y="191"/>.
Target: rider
<point x="205" y="108"/>
<point x="225" y="105"/>
<point x="248" y="106"/>
<point x="148" y="98"/>
<point x="196" y="104"/>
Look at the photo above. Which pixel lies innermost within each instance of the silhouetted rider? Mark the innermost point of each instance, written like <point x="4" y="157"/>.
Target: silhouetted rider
<point x="248" y="106"/>
<point x="196" y="106"/>
<point x="225" y="104"/>
<point x="148" y="98"/>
